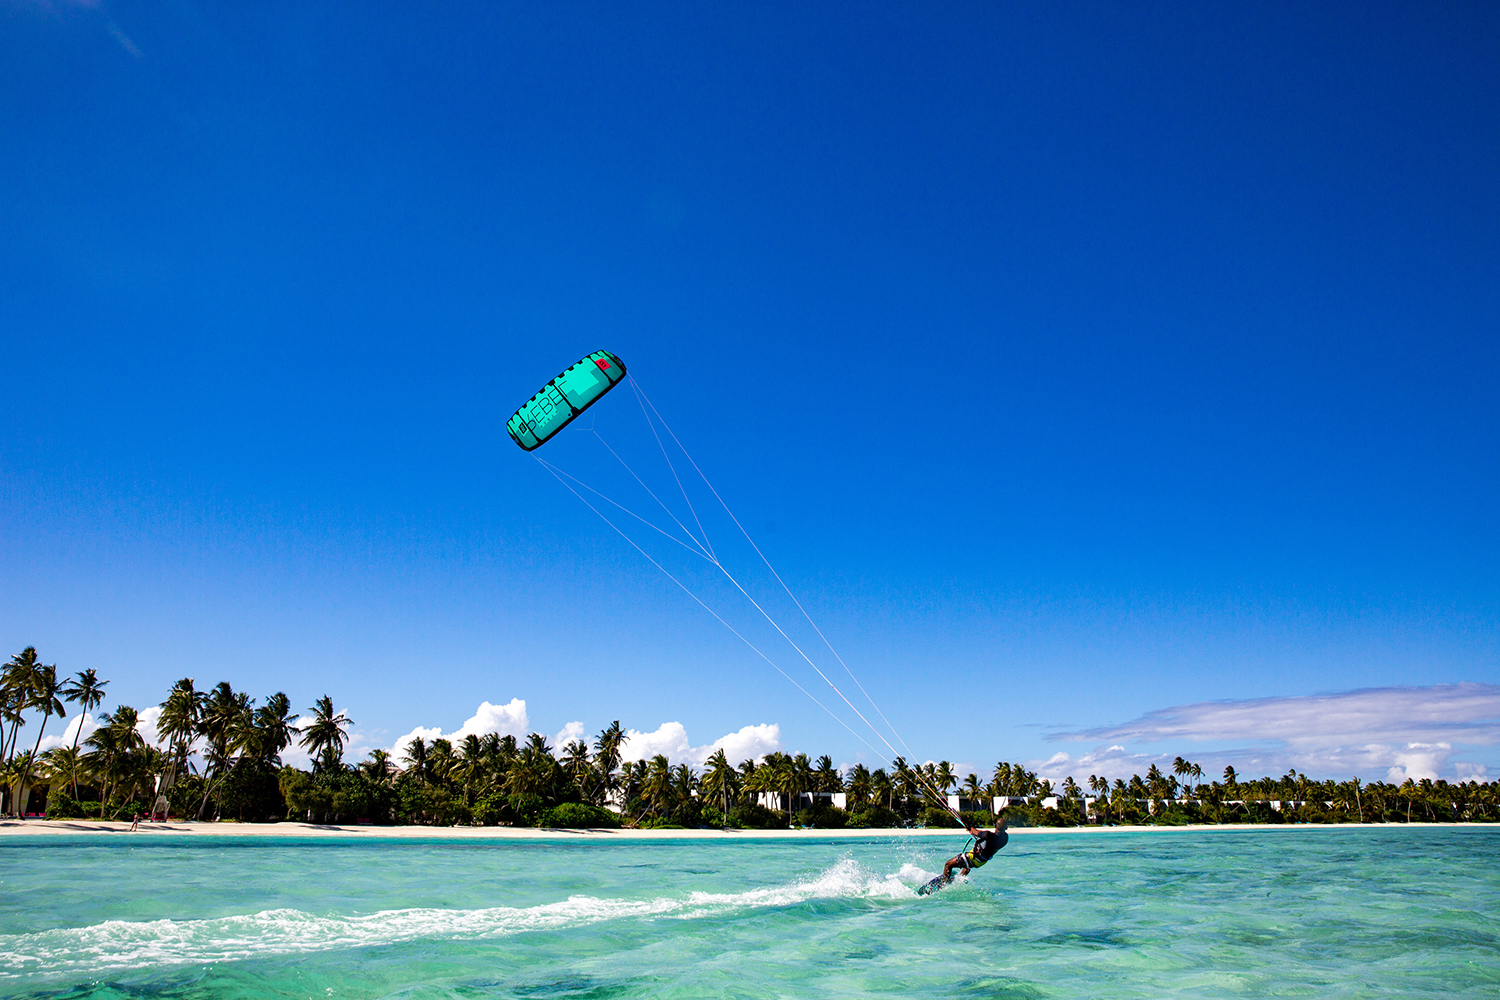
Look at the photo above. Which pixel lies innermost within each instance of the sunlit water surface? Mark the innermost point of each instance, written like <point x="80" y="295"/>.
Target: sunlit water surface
<point x="1386" y="912"/>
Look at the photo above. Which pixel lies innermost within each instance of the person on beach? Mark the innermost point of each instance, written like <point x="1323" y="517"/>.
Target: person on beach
<point x="986" y="845"/>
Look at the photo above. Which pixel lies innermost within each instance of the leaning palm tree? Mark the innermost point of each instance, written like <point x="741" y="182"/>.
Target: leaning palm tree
<point x="12" y="698"/>
<point x="178" y="725"/>
<point x="114" y="751"/>
<point x="44" y="695"/>
<point x="15" y="691"/>
<point x="227" y="715"/>
<point x="325" y="736"/>
<point x="11" y="783"/>
<point x="684" y="783"/>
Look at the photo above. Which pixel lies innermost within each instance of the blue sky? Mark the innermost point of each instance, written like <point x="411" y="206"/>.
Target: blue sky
<point x="1071" y="364"/>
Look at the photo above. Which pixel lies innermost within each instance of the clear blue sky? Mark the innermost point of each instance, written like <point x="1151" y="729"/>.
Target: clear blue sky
<point x="1074" y="362"/>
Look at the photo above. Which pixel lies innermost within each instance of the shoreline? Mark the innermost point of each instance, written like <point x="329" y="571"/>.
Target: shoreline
<point x="174" y="830"/>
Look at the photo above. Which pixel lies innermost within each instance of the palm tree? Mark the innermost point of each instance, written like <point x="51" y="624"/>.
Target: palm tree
<point x="225" y="717"/>
<point x="15" y="686"/>
<point x="87" y="692"/>
<point x="943" y="777"/>
<point x="577" y="763"/>
<point x="10" y="779"/>
<point x="378" y="766"/>
<point x="12" y="698"/>
<point x="860" y="788"/>
<point x="325" y="736"/>
<point x="44" y="695"/>
<point x="65" y="766"/>
<point x="441" y="763"/>
<point x="273" y="728"/>
<point x="470" y="767"/>
<point x="1156" y="783"/>
<point x="1100" y="787"/>
<point x="177" y="724"/>
<point x="826" y="777"/>
<point x="720" y="780"/>
<point x="415" y="758"/>
<point x="657" y="789"/>
<point x="180" y="715"/>
<point x="117" y="747"/>
<point x="802" y="775"/>
<point x="684" y="780"/>
<point x="606" y="761"/>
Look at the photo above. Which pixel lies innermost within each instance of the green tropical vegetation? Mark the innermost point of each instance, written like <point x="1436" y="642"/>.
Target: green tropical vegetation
<point x="217" y="755"/>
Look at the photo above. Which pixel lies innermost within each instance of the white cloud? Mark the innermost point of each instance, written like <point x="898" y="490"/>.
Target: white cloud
<point x="146" y="724"/>
<point x="1387" y="763"/>
<point x="1388" y="733"/>
<point x="86" y="721"/>
<point x="507" y="720"/>
<point x="671" y="740"/>
<point x="1418" y="761"/>
<point x="570" y="732"/>
<point x="749" y="743"/>
<point x="1442" y="713"/>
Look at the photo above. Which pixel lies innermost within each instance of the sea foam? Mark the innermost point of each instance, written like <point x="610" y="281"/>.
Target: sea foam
<point x="116" y="945"/>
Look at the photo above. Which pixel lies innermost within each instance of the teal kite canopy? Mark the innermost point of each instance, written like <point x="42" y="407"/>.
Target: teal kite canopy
<point x="556" y="404"/>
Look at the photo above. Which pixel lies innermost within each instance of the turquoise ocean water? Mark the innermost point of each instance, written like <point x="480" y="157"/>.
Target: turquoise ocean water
<point x="1385" y="912"/>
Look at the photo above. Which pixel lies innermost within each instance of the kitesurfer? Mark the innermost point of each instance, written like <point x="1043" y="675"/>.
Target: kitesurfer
<point x="987" y="844"/>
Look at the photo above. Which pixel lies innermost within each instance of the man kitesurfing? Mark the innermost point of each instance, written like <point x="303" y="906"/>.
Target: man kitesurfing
<point x="987" y="844"/>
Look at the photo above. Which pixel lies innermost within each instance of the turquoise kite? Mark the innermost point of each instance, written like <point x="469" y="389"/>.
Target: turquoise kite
<point x="556" y="404"/>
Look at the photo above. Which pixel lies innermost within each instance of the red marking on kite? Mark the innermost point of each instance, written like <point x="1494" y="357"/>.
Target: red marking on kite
<point x="604" y="365"/>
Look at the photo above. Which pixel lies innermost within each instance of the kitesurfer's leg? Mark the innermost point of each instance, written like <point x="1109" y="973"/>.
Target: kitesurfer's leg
<point x="960" y="861"/>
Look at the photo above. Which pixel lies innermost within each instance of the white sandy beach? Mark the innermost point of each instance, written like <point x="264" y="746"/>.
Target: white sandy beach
<point x="33" y="828"/>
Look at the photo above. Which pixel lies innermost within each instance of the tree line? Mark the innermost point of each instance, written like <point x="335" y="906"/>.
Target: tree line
<point x="220" y="758"/>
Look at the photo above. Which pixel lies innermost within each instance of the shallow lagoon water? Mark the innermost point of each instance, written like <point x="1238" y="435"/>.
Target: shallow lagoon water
<point x="1371" y="912"/>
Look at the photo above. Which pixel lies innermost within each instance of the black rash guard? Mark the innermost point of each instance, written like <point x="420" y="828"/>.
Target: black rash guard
<point x="987" y="844"/>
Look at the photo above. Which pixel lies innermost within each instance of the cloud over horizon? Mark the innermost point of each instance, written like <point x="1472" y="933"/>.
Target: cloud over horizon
<point x="509" y="719"/>
<point x="1441" y="713"/>
<point x="1393" y="732"/>
<point x="671" y="740"/>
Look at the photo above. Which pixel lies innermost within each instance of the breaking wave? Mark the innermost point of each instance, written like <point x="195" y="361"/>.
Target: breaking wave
<point x="116" y="945"/>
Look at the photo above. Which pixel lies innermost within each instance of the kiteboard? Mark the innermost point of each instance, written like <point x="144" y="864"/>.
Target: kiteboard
<point x="932" y="886"/>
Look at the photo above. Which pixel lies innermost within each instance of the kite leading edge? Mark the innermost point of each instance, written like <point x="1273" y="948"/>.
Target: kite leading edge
<point x="556" y="404"/>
